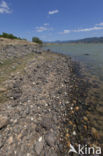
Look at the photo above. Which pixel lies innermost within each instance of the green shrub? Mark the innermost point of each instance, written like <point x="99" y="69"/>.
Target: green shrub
<point x="10" y="36"/>
<point x="36" y="40"/>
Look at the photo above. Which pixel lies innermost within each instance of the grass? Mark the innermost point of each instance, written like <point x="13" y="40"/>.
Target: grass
<point x="12" y="66"/>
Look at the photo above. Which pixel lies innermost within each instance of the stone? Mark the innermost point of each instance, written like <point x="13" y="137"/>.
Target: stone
<point x="3" y="121"/>
<point x="85" y="118"/>
<point x="46" y="123"/>
<point x="39" y="145"/>
<point x="50" y="139"/>
<point x="10" y="140"/>
<point x="1" y="143"/>
<point x="94" y="132"/>
<point x="2" y="90"/>
<point x="74" y="132"/>
<point x="77" y="108"/>
<point x="50" y="153"/>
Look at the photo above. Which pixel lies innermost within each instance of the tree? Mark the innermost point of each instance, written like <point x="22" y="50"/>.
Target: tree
<point x="37" y="40"/>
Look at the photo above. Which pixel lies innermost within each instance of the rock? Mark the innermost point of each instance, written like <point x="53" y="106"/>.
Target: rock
<point x="10" y="140"/>
<point x="77" y="108"/>
<point x="61" y="148"/>
<point x="50" y="153"/>
<point x="1" y="143"/>
<point x="2" y="90"/>
<point x="16" y="96"/>
<point x="74" y="133"/>
<point x="27" y="110"/>
<point x="3" y="121"/>
<point x="85" y="118"/>
<point x="46" y="123"/>
<point x="94" y="132"/>
<point x="1" y="62"/>
<point x="86" y="54"/>
<point x="38" y="129"/>
<point x="19" y="137"/>
<point x="39" y="145"/>
<point x="50" y="139"/>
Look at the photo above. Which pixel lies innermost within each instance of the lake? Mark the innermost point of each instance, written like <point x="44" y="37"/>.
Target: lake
<point x="90" y="57"/>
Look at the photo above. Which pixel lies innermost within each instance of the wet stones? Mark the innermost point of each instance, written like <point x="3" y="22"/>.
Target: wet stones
<point x="94" y="132"/>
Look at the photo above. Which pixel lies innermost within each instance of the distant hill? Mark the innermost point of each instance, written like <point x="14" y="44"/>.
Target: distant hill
<point x="85" y="40"/>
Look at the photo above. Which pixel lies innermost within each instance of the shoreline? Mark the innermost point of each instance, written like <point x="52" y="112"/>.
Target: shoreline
<point x="44" y="111"/>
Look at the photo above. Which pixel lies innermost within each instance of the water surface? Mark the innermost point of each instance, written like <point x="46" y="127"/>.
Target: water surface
<point x="90" y="56"/>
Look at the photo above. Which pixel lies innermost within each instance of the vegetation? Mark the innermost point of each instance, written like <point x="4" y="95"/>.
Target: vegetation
<point x="10" y="36"/>
<point x="37" y="40"/>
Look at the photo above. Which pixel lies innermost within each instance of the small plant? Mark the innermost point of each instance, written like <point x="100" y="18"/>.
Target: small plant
<point x="37" y="40"/>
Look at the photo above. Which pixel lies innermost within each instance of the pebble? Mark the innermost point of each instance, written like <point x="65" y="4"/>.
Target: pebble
<point x="3" y="121"/>
<point x="71" y="108"/>
<point x="39" y="146"/>
<point x="10" y="140"/>
<point x="2" y="90"/>
<point x="46" y="123"/>
<point x="85" y="118"/>
<point x="40" y="139"/>
<point x="50" y="139"/>
<point x="94" y="132"/>
<point x="74" y="133"/>
<point x="77" y="108"/>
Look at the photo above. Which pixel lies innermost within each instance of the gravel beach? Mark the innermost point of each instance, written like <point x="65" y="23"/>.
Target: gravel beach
<point x="42" y="102"/>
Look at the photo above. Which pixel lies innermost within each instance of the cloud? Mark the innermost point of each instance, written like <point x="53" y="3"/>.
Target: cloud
<point x="46" y="24"/>
<point x="100" y="24"/>
<point x="67" y="31"/>
<point x="53" y="12"/>
<point x="4" y="8"/>
<point x="43" y="28"/>
<point x="88" y="29"/>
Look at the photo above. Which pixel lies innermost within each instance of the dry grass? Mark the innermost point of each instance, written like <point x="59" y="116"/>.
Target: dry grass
<point x="4" y="42"/>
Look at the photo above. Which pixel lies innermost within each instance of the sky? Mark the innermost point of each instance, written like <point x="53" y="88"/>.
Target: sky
<point x="52" y="20"/>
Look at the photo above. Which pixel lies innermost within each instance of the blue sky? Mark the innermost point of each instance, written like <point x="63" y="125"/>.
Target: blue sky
<point x="52" y="19"/>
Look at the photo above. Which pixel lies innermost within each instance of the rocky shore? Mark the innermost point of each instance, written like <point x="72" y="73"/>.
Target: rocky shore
<point x="42" y="103"/>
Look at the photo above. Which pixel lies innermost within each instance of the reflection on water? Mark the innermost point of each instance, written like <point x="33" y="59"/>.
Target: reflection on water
<point x="90" y="57"/>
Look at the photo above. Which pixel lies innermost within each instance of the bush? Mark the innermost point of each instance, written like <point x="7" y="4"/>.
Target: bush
<point x="10" y="36"/>
<point x="36" y="40"/>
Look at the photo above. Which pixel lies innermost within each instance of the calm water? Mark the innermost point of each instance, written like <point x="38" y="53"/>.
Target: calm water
<point x="90" y="57"/>
<point x="94" y="59"/>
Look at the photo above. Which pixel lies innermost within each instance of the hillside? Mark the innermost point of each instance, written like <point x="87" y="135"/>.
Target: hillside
<point x="85" y="40"/>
